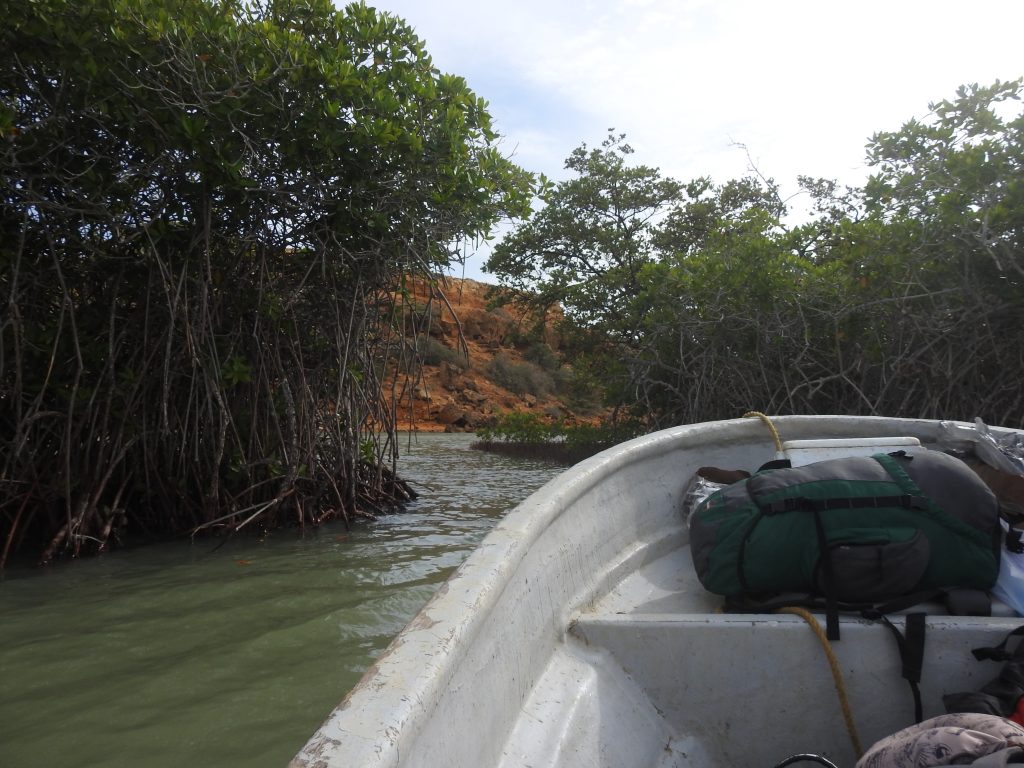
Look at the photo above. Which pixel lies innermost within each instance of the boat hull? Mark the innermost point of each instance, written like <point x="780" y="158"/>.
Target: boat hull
<point x="576" y="634"/>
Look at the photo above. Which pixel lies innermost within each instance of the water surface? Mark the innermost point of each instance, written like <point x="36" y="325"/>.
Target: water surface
<point x="185" y="655"/>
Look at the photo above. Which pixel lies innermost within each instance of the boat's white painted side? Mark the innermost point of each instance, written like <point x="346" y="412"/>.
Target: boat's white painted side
<point x="490" y="673"/>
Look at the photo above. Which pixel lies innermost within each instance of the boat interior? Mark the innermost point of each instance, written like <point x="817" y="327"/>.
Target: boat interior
<point x="578" y="634"/>
<point x="654" y="673"/>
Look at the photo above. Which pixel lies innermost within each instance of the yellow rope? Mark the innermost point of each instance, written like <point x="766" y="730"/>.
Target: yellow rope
<point x="768" y="423"/>
<point x="803" y="613"/>
<point x="837" y="674"/>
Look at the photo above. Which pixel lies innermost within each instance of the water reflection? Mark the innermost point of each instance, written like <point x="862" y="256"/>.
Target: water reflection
<point x="177" y="655"/>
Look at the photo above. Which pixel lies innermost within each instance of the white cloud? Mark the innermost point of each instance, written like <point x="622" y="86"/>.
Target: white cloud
<point x="803" y="84"/>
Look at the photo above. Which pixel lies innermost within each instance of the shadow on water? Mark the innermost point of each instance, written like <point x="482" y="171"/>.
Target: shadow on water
<point x="182" y="655"/>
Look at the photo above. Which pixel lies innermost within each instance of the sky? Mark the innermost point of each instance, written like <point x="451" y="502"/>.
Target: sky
<point x="714" y="87"/>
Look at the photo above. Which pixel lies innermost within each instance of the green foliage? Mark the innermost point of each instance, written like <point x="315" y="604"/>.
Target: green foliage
<point x="206" y="209"/>
<point x="586" y="385"/>
<point x="958" y="181"/>
<point x="527" y="434"/>
<point x="236" y="371"/>
<point x="585" y="247"/>
<point x="592" y="438"/>
<point x="520" y="428"/>
<point x="541" y="355"/>
<point x="902" y="298"/>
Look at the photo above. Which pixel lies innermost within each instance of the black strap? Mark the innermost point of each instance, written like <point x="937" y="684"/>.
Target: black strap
<point x="1013" y="540"/>
<point x="998" y="652"/>
<point x="828" y="577"/>
<point x="911" y="648"/>
<point x="911" y="498"/>
<point x="800" y="503"/>
<point x="913" y="659"/>
<point x="1001" y="695"/>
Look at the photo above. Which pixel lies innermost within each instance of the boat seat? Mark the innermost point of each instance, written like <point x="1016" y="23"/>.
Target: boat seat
<point x="756" y="673"/>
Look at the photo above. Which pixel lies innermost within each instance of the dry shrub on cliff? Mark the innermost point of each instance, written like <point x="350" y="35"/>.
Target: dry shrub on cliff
<point x="520" y="378"/>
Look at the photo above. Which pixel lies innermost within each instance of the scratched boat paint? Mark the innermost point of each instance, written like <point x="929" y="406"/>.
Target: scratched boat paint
<point x="577" y="635"/>
<point x="177" y="655"/>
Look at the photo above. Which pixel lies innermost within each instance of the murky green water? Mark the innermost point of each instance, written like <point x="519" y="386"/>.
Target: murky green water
<point x="179" y="655"/>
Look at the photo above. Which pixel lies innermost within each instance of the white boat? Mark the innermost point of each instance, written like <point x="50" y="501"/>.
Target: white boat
<point x="577" y="634"/>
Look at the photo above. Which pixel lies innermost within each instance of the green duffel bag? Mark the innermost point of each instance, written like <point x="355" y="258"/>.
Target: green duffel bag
<point x="853" y="530"/>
